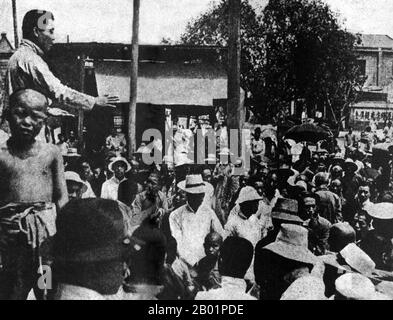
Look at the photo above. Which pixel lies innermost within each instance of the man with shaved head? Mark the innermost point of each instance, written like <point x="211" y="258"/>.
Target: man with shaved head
<point x="32" y="189"/>
<point x="27" y="67"/>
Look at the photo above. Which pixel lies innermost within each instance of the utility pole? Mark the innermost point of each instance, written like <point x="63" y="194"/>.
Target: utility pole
<point x="134" y="80"/>
<point x="234" y="107"/>
<point x="15" y="24"/>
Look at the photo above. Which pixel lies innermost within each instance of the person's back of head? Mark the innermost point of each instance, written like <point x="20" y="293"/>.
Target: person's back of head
<point x="341" y="234"/>
<point x="146" y="263"/>
<point x="235" y="257"/>
<point x="321" y="178"/>
<point x="89" y="246"/>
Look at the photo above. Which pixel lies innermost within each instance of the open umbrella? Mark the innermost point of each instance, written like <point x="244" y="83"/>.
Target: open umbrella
<point x="307" y="132"/>
<point x="384" y="146"/>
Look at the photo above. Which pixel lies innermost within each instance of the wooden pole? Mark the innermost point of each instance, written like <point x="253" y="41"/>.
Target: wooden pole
<point x="14" y="13"/>
<point x="81" y="114"/>
<point x="134" y="81"/>
<point x="234" y="50"/>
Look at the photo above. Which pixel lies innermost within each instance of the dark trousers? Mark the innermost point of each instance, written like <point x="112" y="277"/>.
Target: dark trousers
<point x="19" y="271"/>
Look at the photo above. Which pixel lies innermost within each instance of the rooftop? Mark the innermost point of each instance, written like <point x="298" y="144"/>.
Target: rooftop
<point x="5" y="45"/>
<point x="151" y="53"/>
<point x="376" y="41"/>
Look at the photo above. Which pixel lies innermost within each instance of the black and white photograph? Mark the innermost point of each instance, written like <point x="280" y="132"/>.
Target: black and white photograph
<point x="212" y="151"/>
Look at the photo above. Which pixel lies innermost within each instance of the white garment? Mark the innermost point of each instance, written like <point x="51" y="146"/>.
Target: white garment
<point x="190" y="228"/>
<point x="3" y="136"/>
<point x="89" y="193"/>
<point x="253" y="229"/>
<point x="63" y="148"/>
<point x="70" y="292"/>
<point x="110" y="188"/>
<point x="231" y="289"/>
<point x="238" y="226"/>
<point x="209" y="195"/>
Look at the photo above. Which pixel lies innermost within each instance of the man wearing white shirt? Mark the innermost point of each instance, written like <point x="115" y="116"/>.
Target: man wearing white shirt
<point x="192" y="222"/>
<point x="246" y="220"/>
<point x="209" y="192"/>
<point x="119" y="166"/>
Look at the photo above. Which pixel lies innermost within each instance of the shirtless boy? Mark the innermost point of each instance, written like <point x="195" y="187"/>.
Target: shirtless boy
<point x="32" y="188"/>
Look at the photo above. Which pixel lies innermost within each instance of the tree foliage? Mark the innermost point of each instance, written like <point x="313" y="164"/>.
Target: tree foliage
<point x="294" y="51"/>
<point x="309" y="57"/>
<point x="211" y="28"/>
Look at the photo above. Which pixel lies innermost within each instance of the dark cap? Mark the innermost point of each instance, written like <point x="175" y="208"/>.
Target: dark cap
<point x="90" y="230"/>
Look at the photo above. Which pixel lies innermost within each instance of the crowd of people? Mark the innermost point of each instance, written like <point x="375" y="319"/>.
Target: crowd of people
<point x="317" y="225"/>
<point x="278" y="230"/>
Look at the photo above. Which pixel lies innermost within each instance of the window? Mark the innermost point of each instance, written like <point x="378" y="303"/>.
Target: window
<point x="362" y="67"/>
<point x="118" y="121"/>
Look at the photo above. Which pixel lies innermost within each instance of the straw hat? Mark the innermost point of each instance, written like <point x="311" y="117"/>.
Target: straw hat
<point x="350" y="164"/>
<point x="74" y="177"/>
<point x="248" y="194"/>
<point x="357" y="259"/>
<point x="354" y="286"/>
<point x="193" y="184"/>
<point x="119" y="159"/>
<point x="287" y="210"/>
<point x="382" y="211"/>
<point x="292" y="243"/>
<point x="305" y="288"/>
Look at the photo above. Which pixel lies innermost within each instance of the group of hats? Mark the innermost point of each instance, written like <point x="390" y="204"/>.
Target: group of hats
<point x="292" y="243"/>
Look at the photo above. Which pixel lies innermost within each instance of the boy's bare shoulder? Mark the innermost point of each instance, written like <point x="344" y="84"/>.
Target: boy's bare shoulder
<point x="48" y="148"/>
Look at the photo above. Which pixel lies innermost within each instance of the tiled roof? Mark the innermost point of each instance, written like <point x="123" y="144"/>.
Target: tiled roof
<point x="5" y="45"/>
<point x="376" y="41"/>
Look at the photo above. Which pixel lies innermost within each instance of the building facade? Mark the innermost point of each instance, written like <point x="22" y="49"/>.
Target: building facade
<point x="6" y="51"/>
<point x="375" y="102"/>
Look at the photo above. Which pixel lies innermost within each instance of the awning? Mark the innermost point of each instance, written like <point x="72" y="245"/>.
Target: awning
<point x="163" y="84"/>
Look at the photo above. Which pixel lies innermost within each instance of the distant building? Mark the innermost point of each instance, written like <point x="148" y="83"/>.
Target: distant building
<point x="6" y="51"/>
<point x="184" y="81"/>
<point x="375" y="102"/>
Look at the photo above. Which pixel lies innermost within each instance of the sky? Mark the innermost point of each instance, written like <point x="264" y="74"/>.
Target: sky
<point x="111" y="20"/>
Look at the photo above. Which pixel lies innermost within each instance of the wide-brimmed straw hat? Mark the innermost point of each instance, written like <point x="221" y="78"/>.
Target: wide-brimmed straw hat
<point x="357" y="259"/>
<point x="193" y="184"/>
<point x="292" y="243"/>
<point x="248" y="194"/>
<point x="74" y="177"/>
<point x="287" y="210"/>
<point x="382" y="211"/>
<point x="350" y="164"/>
<point x="354" y="286"/>
<point x="119" y="159"/>
<point x="305" y="288"/>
